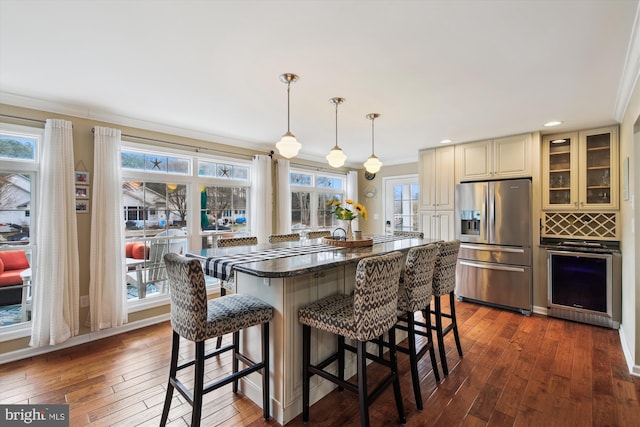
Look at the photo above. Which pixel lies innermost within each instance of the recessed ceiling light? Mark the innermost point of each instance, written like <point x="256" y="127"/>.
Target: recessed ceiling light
<point x="553" y="123"/>
<point x="445" y="141"/>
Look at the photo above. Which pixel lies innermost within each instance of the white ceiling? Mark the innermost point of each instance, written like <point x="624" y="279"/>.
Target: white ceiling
<point x="462" y="70"/>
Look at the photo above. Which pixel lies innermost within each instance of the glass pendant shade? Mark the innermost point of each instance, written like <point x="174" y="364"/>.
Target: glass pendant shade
<point x="372" y="165"/>
<point x="336" y="157"/>
<point x="288" y="146"/>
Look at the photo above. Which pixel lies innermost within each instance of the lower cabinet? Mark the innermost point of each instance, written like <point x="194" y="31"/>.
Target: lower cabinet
<point x="438" y="225"/>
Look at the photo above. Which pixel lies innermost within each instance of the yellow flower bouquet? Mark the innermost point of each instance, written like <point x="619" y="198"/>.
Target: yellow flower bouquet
<point x="345" y="213"/>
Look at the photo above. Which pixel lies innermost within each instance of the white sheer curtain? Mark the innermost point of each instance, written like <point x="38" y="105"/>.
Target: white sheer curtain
<point x="284" y="196"/>
<point x="56" y="293"/>
<point x="352" y="192"/>
<point x="261" y="198"/>
<point x="107" y="296"/>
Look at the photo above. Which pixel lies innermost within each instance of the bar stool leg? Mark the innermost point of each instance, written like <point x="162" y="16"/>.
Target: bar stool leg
<point x="393" y="358"/>
<point x="413" y="360"/>
<point x="265" y="371"/>
<point x="173" y="369"/>
<point x="306" y="359"/>
<point x="340" y="360"/>
<point x="235" y="363"/>
<point x="443" y="355"/>
<point x="362" y="383"/>
<point x="198" y="385"/>
<point x="455" y="322"/>
<point x="432" y="351"/>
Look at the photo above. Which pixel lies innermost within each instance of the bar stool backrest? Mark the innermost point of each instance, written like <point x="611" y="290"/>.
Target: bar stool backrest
<point x="277" y="238"/>
<point x="318" y="234"/>
<point x="418" y="276"/>
<point x="188" y="296"/>
<point x="237" y="241"/>
<point x="444" y="276"/>
<point x="375" y="296"/>
<point x="416" y="234"/>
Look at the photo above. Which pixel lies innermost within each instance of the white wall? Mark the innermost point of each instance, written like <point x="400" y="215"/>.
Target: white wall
<point x="630" y="242"/>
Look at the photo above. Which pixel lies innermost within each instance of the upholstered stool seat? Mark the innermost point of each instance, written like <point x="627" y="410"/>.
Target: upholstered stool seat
<point x="361" y="317"/>
<point x="195" y="318"/>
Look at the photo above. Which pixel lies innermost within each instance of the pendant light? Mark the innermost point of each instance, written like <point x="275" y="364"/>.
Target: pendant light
<point x="336" y="157"/>
<point x="288" y="146"/>
<point x="372" y="165"/>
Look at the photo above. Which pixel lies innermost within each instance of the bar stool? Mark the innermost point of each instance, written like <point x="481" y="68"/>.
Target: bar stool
<point x="237" y="241"/>
<point x="196" y="319"/>
<point x="318" y="234"/>
<point x="228" y="285"/>
<point x="416" y="234"/>
<point x="444" y="282"/>
<point x="278" y="238"/>
<point x="414" y="295"/>
<point x="363" y="316"/>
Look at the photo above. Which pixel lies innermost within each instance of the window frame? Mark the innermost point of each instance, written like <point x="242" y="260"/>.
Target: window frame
<point x="194" y="182"/>
<point x="315" y="193"/>
<point x="31" y="167"/>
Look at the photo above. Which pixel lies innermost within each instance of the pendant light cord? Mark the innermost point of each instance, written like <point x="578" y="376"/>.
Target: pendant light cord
<point x="372" y="137"/>
<point x="288" y="106"/>
<point x="337" y="103"/>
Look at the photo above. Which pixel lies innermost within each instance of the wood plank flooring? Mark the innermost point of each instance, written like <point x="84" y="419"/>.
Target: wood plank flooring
<point x="516" y="371"/>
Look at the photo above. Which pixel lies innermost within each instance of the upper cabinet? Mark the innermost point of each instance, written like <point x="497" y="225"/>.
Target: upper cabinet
<point x="437" y="178"/>
<point x="508" y="157"/>
<point x="580" y="170"/>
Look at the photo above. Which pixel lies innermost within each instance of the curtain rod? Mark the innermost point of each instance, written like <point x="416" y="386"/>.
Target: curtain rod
<point x="196" y="147"/>
<point x="8" y="116"/>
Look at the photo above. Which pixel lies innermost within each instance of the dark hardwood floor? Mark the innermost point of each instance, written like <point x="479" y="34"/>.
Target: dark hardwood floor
<point x="516" y="370"/>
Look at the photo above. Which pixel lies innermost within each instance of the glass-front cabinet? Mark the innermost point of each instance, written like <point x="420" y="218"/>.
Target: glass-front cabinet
<point x="581" y="170"/>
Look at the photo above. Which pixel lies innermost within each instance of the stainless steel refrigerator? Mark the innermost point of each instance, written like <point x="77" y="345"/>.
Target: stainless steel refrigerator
<point x="493" y="223"/>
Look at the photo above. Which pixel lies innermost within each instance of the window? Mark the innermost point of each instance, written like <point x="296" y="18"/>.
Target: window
<point x="401" y="204"/>
<point x="310" y="193"/>
<point x="168" y="198"/>
<point x="18" y="189"/>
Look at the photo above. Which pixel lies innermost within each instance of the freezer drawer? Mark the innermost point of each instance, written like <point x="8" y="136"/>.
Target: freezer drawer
<point x="515" y="255"/>
<point x="501" y="284"/>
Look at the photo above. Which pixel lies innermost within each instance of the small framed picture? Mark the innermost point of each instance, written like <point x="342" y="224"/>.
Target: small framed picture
<point x="82" y="206"/>
<point x="82" y="192"/>
<point x="82" y="178"/>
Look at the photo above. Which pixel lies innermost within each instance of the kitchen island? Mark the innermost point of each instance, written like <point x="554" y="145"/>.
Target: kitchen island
<point x="288" y="276"/>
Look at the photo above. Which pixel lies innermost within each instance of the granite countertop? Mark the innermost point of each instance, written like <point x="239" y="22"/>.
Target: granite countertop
<point x="307" y="263"/>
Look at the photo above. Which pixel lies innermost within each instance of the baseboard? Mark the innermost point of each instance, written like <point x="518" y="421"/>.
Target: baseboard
<point x="540" y="310"/>
<point x="82" y="339"/>
<point x="628" y="355"/>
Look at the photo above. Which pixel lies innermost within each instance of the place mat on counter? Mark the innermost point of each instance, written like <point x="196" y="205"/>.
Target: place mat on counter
<point x="221" y="267"/>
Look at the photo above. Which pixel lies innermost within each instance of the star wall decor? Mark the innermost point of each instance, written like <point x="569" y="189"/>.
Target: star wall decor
<point x="156" y="163"/>
<point x="224" y="171"/>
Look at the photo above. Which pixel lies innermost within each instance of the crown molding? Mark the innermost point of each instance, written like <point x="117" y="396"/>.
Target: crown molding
<point x="630" y="72"/>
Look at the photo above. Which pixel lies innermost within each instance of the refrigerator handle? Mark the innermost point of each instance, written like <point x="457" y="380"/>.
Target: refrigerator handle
<point x="486" y="214"/>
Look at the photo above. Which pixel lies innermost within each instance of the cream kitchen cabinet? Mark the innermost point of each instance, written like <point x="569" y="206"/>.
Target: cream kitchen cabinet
<point x="508" y="157"/>
<point x="580" y="170"/>
<point x="438" y="225"/>
<point x="437" y="178"/>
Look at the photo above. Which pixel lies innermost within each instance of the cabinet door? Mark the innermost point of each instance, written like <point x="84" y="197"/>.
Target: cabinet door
<point x="474" y="160"/>
<point x="445" y="178"/>
<point x="438" y="225"/>
<point x="559" y="172"/>
<point x="444" y="223"/>
<point x="512" y="157"/>
<point x="427" y="173"/>
<point x="599" y="169"/>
